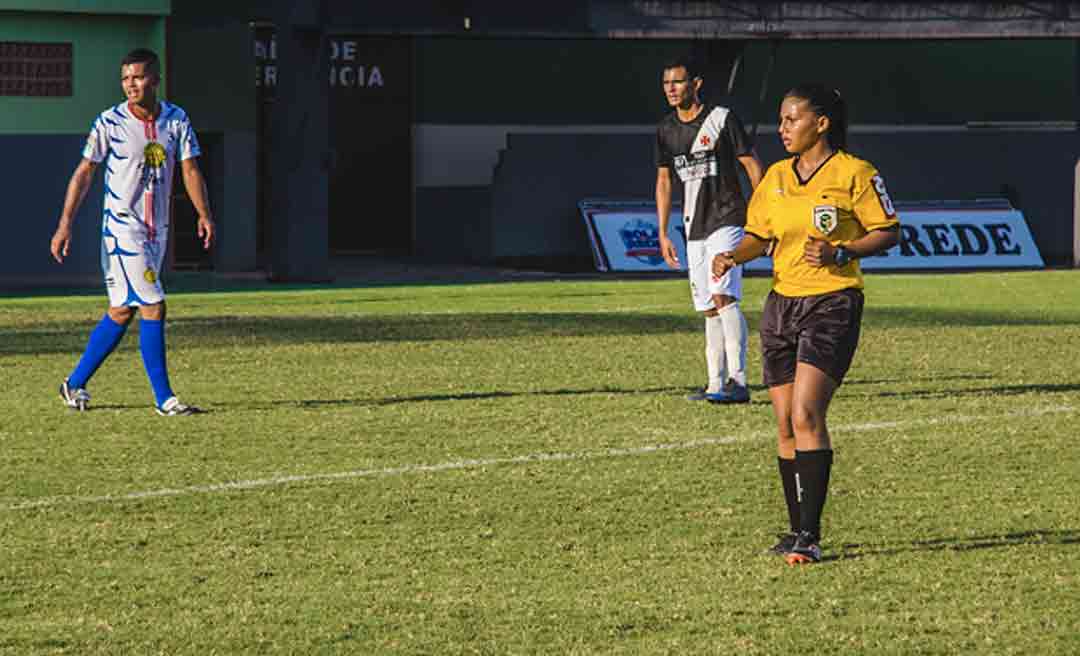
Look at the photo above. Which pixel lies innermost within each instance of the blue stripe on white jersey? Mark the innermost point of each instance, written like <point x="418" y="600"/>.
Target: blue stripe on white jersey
<point x="120" y="140"/>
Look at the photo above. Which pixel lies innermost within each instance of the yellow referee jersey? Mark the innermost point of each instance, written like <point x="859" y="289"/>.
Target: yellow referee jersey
<point x="842" y="201"/>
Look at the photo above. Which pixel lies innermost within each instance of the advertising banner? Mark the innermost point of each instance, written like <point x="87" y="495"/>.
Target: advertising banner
<point x="984" y="234"/>
<point x="625" y="236"/>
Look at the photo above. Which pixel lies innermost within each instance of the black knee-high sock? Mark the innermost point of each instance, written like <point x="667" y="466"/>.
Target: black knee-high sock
<point x="791" y="491"/>
<point x="813" y="477"/>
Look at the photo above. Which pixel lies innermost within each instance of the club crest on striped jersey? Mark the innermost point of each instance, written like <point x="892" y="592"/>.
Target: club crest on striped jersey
<point x="154" y="154"/>
<point x="825" y="218"/>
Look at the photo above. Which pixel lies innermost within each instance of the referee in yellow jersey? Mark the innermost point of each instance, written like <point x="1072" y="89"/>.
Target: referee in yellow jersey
<point x="817" y="212"/>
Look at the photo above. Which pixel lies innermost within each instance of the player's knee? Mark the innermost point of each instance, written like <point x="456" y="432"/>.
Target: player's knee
<point x="784" y="429"/>
<point x="121" y="315"/>
<point x="155" y="312"/>
<point x="807" y="419"/>
<point x="723" y="300"/>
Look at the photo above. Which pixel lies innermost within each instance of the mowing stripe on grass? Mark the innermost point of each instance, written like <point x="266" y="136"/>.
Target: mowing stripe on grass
<point x="48" y="502"/>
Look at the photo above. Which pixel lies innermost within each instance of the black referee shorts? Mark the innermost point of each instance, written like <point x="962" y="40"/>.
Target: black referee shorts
<point x="821" y="330"/>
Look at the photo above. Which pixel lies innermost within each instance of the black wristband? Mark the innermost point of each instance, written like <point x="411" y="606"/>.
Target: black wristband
<point x="842" y="256"/>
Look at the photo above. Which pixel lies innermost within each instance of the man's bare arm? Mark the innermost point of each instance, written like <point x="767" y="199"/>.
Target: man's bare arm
<point x="751" y="247"/>
<point x="754" y="169"/>
<point x="195" y="185"/>
<point x="663" y="215"/>
<point x="80" y="182"/>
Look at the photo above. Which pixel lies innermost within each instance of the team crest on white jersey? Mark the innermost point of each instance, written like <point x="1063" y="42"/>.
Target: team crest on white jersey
<point x="154" y="154"/>
<point x="825" y="218"/>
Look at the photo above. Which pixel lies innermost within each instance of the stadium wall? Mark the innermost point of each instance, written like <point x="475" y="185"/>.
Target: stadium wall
<point x="470" y="97"/>
<point x="43" y="136"/>
<point x="110" y="7"/>
<point x="578" y="88"/>
<point x="535" y="215"/>
<point x="212" y="67"/>
<point x="581" y="81"/>
<point x="99" y="42"/>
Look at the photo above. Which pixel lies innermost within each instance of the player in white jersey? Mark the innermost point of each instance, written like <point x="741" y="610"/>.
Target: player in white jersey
<point x="700" y="144"/>
<point x="137" y="143"/>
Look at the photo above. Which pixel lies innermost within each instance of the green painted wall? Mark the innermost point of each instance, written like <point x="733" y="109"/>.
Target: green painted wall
<point x="545" y="81"/>
<point x="548" y="82"/>
<point x="99" y="43"/>
<point x="928" y="82"/>
<point x="146" y="7"/>
<point x="213" y="71"/>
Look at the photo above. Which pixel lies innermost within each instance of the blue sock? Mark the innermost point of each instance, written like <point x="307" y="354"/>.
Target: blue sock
<point x="152" y="345"/>
<point x="103" y="340"/>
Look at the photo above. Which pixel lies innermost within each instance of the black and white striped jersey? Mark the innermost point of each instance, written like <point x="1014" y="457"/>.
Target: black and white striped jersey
<point x="702" y="153"/>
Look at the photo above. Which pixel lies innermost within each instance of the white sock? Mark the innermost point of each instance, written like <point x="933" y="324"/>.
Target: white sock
<point x="715" y="356"/>
<point x="735" y="336"/>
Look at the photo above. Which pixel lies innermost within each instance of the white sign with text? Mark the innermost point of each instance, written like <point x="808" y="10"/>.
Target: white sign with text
<point x="977" y="235"/>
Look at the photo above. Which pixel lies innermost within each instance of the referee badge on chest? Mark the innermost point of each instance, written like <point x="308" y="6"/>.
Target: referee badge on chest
<point x="825" y="218"/>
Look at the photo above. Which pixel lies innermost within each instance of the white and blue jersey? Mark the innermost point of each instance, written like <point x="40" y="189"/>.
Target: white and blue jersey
<point x="139" y="158"/>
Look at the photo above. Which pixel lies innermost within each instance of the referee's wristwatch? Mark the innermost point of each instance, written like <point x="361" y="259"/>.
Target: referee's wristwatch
<point x="841" y="256"/>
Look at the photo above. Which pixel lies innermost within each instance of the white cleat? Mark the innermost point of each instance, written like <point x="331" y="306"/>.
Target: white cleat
<point x="174" y="408"/>
<point x="75" y="398"/>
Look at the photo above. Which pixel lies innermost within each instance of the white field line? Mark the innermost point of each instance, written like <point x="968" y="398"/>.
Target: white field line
<point x="231" y="486"/>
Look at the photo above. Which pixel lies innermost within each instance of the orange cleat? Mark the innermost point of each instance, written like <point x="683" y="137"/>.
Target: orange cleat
<point x="806" y="550"/>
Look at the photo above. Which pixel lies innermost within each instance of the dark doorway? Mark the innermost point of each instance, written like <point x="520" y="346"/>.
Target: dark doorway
<point x="185" y="246"/>
<point x="371" y="132"/>
<point x="370" y="124"/>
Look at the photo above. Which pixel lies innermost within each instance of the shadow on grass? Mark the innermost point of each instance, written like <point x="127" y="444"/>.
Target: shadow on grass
<point x="889" y="381"/>
<point x="929" y="316"/>
<point x="479" y="396"/>
<point x="378" y="275"/>
<point x="257" y="331"/>
<point x="265" y="331"/>
<point x="431" y="398"/>
<point x="953" y="392"/>
<point x="760" y="398"/>
<point x="470" y="396"/>
<point x="1003" y="541"/>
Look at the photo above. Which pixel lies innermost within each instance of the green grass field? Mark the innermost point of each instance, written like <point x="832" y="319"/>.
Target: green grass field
<point x="513" y="469"/>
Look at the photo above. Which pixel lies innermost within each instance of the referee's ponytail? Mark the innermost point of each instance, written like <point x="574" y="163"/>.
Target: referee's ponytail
<point x="826" y="101"/>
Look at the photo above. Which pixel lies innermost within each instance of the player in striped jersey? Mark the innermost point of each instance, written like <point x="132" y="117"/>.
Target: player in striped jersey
<point x="700" y="144"/>
<point x="137" y="143"/>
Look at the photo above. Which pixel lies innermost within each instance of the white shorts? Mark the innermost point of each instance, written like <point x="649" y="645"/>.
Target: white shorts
<point x="131" y="262"/>
<point x="703" y="284"/>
